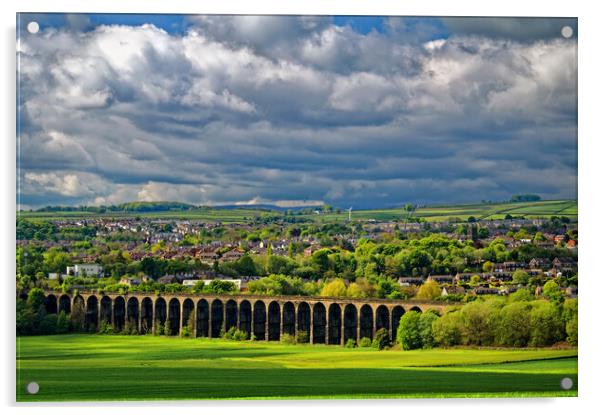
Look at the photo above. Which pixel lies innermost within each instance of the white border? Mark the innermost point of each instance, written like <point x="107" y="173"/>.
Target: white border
<point x="589" y="197"/>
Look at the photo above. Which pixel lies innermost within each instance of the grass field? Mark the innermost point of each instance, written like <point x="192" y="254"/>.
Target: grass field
<point x="95" y="367"/>
<point x="541" y="209"/>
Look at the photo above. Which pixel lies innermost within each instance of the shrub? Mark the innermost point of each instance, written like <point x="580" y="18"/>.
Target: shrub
<point x="381" y="339"/>
<point x="365" y="342"/>
<point x="159" y="328"/>
<point x="62" y="323"/>
<point x="48" y="324"/>
<point x="185" y="332"/>
<point x="350" y="344"/>
<point x="106" y="328"/>
<point x="228" y="335"/>
<point x="287" y="338"/>
<point x="240" y="335"/>
<point x="167" y="328"/>
<point x="303" y="337"/>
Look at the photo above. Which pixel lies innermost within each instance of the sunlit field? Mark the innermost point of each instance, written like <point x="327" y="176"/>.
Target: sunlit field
<point x="96" y="367"/>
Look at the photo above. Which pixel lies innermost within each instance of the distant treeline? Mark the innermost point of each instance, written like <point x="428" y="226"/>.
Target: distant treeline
<point x="124" y="207"/>
<point x="525" y="198"/>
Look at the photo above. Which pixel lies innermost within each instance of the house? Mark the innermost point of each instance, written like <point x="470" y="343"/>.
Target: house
<point x="167" y="279"/>
<point x="564" y="264"/>
<point x="233" y="255"/>
<point x="86" y="270"/>
<point x="407" y="281"/>
<point x="208" y="256"/>
<point x="452" y="290"/>
<point x="310" y="250"/>
<point x="540" y="263"/>
<point x="485" y="291"/>
<point x="129" y="281"/>
<point x="441" y="279"/>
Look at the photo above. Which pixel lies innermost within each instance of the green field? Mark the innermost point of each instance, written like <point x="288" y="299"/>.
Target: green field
<point x="95" y="367"/>
<point x="540" y="209"/>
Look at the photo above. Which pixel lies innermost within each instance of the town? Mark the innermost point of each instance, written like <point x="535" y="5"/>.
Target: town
<point x="446" y="260"/>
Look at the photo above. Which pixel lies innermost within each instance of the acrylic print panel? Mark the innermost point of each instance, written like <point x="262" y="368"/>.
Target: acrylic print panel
<point x="292" y="207"/>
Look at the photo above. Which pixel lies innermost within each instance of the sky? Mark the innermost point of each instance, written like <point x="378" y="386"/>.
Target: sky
<point x="294" y="110"/>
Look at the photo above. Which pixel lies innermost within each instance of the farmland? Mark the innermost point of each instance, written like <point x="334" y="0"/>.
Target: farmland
<point x="96" y="367"/>
<point x="539" y="209"/>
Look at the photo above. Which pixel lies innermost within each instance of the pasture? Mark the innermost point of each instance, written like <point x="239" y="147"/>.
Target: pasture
<point x="540" y="209"/>
<point x="116" y="368"/>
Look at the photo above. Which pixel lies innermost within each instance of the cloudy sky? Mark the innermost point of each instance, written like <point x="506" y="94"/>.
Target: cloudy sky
<point x="351" y="111"/>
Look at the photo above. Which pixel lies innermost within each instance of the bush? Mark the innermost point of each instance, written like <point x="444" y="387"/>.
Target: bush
<point x="240" y="335"/>
<point x="48" y="324"/>
<point x="185" y="332"/>
<point x="408" y="332"/>
<point x="287" y="339"/>
<point x="62" y="323"/>
<point x="381" y="339"/>
<point x="365" y="342"/>
<point x="106" y="328"/>
<point x="351" y="344"/>
<point x="303" y="337"/>
<point x="159" y="328"/>
<point x="228" y="335"/>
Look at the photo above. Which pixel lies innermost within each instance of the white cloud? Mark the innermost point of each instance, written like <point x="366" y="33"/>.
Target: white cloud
<point x="290" y="110"/>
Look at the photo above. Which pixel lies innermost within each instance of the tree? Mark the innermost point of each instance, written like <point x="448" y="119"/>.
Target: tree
<point x="447" y="330"/>
<point x="521" y="294"/>
<point x="36" y="299"/>
<point x="408" y="332"/>
<point x="220" y="287"/>
<point x="426" y="329"/>
<point x="381" y="339"/>
<point x="513" y="328"/>
<point x="487" y="266"/>
<point x="552" y="292"/>
<point x="334" y="288"/>
<point x="520" y="277"/>
<point x="547" y="326"/>
<point x="78" y="316"/>
<point x="478" y="320"/>
<point x="429" y="290"/>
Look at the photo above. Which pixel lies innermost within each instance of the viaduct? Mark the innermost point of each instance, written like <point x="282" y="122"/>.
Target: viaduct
<point x="326" y="320"/>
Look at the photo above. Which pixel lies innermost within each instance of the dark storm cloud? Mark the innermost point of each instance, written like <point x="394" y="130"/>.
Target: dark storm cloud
<point x="286" y="109"/>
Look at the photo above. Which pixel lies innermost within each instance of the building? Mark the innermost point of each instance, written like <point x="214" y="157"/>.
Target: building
<point x="86" y="270"/>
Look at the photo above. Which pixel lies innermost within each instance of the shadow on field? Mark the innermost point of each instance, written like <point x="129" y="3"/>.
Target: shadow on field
<point x="148" y="383"/>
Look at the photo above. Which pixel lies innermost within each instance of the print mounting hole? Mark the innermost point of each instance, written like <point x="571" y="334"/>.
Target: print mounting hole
<point x="566" y="32"/>
<point x="33" y="388"/>
<point x="566" y="383"/>
<point x="33" y="27"/>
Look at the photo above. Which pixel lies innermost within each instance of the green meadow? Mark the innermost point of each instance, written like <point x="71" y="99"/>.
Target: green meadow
<point x="115" y="368"/>
<point x="539" y="209"/>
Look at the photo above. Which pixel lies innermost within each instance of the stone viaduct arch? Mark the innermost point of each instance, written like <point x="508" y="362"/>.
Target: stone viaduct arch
<point x="324" y="320"/>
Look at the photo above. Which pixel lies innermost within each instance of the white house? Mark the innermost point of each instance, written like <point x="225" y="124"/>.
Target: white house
<point x="89" y="270"/>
